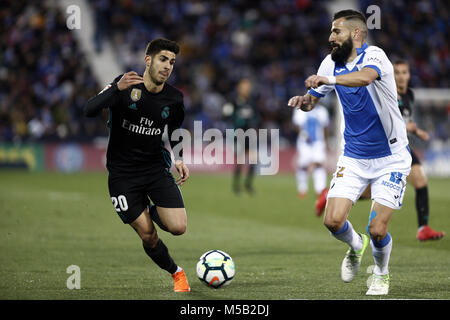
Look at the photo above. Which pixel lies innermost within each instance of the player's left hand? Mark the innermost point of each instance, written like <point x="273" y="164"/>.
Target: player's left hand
<point x="183" y="171"/>
<point x="315" y="81"/>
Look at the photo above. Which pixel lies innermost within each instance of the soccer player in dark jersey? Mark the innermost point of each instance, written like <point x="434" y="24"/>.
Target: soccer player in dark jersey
<point x="417" y="175"/>
<point x="140" y="107"/>
<point x="245" y="116"/>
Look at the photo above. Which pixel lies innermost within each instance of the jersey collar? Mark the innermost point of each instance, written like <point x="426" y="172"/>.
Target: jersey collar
<point x="362" y="49"/>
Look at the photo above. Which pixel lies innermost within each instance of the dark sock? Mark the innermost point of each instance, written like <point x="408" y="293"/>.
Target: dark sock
<point x="422" y="206"/>
<point x="155" y="217"/>
<point x="160" y="255"/>
<point x="249" y="179"/>
<point x="236" y="179"/>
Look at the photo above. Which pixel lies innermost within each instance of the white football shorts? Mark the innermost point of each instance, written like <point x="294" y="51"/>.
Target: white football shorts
<point x="387" y="176"/>
<point x="309" y="153"/>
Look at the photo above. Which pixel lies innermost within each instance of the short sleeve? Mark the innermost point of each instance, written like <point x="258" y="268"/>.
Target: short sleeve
<point x="326" y="69"/>
<point x="377" y="60"/>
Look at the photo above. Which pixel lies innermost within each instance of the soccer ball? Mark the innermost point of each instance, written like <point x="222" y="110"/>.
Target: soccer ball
<point x="215" y="269"/>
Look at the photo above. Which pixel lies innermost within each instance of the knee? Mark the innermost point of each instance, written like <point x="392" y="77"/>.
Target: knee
<point x="417" y="177"/>
<point x="332" y="224"/>
<point x="421" y="182"/>
<point x="177" y="229"/>
<point x="377" y="232"/>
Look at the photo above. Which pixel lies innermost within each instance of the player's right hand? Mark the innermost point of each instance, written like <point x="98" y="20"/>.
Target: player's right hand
<point x="183" y="171"/>
<point x="301" y="102"/>
<point x="129" y="79"/>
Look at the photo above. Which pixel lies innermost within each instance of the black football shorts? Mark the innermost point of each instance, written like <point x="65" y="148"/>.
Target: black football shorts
<point x="415" y="158"/>
<point x="131" y="194"/>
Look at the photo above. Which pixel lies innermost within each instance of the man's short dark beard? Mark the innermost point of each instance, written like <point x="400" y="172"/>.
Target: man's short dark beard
<point x="341" y="54"/>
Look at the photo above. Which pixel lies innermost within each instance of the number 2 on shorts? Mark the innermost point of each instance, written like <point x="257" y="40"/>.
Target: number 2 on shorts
<point x="339" y="173"/>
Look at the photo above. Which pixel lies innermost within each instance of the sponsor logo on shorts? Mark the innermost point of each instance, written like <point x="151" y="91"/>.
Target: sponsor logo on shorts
<point x="396" y="177"/>
<point x="394" y="181"/>
<point x="391" y="185"/>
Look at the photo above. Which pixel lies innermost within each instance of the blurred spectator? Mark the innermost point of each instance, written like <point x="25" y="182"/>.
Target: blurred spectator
<point x="223" y="41"/>
<point x="416" y="31"/>
<point x="44" y="78"/>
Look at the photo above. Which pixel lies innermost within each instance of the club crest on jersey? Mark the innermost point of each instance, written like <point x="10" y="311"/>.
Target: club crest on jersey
<point x="165" y="112"/>
<point x="135" y="94"/>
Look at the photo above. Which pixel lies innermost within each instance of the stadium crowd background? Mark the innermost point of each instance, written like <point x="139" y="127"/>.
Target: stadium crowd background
<point x="45" y="78"/>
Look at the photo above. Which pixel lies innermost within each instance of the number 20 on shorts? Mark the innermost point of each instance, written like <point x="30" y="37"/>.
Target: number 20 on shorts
<point x="120" y="203"/>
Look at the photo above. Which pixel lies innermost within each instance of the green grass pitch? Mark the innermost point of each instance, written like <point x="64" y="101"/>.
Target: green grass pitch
<point x="50" y="221"/>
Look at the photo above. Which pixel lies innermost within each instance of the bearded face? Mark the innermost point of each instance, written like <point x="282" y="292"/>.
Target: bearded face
<point x="341" y="52"/>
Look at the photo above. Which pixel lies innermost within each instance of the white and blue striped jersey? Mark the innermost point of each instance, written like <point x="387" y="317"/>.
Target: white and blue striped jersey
<point x="373" y="126"/>
<point x="311" y="124"/>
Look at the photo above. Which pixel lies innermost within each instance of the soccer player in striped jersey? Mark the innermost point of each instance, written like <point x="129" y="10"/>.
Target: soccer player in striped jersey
<point x="311" y="150"/>
<point x="375" y="143"/>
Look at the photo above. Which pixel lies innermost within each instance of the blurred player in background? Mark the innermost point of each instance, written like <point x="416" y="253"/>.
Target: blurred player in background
<point x="375" y="143"/>
<point x="138" y="165"/>
<point x="244" y="115"/>
<point x="417" y="176"/>
<point x="311" y="150"/>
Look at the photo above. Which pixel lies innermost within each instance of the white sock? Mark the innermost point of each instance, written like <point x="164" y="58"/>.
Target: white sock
<point x="302" y="180"/>
<point x="320" y="179"/>
<point x="349" y="236"/>
<point x="381" y="258"/>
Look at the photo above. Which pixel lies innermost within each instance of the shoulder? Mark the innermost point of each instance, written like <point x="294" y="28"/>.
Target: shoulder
<point x="373" y="52"/>
<point x="327" y="65"/>
<point x="410" y="94"/>
<point x="109" y="85"/>
<point x="328" y="61"/>
<point x="298" y="116"/>
<point x="173" y="92"/>
<point x="375" y="56"/>
<point x="176" y="96"/>
<point x="372" y="48"/>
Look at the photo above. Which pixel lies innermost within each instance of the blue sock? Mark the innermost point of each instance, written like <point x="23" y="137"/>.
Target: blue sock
<point x="348" y="235"/>
<point x="342" y="230"/>
<point x="383" y="242"/>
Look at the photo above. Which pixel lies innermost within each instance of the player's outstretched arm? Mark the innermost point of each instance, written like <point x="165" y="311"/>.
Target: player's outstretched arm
<point x="106" y="97"/>
<point x="304" y="103"/>
<point x="360" y="78"/>
<point x="411" y="127"/>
